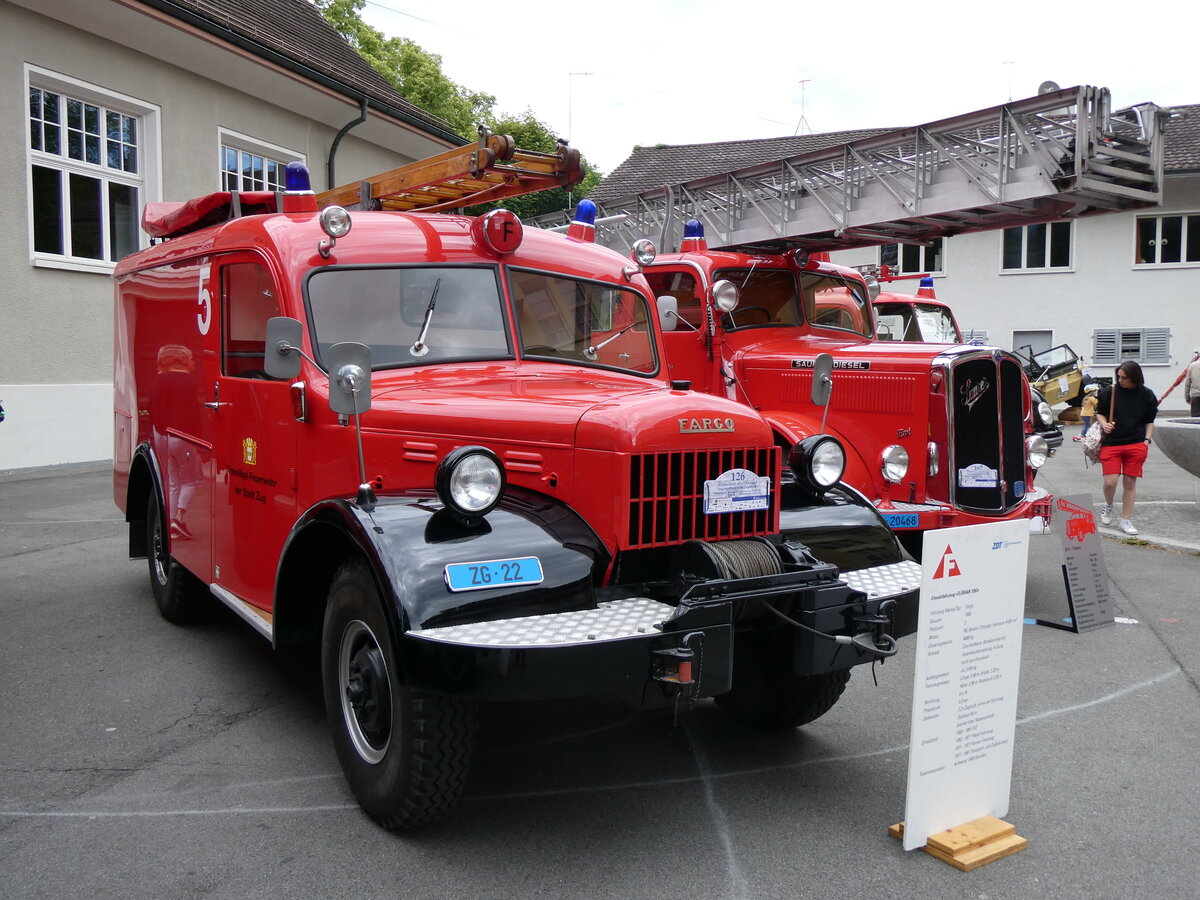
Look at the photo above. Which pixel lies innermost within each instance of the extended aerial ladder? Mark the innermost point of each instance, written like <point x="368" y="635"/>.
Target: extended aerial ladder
<point x="1059" y="155"/>
<point x="492" y="169"/>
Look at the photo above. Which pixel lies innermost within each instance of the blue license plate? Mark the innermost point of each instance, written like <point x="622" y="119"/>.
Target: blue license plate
<point x="494" y="573"/>
<point x="902" y="520"/>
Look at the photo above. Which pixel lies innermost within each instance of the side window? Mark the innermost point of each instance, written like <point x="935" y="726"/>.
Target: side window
<point x="247" y="164"/>
<point x="681" y="286"/>
<point x="913" y="259"/>
<point x="248" y="300"/>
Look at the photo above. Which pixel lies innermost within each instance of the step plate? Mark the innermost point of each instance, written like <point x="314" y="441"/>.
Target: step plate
<point x="885" y="581"/>
<point x="613" y="621"/>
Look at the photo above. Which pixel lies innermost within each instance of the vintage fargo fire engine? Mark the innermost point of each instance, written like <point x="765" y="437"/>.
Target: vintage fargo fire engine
<point x="446" y="449"/>
<point x="936" y="436"/>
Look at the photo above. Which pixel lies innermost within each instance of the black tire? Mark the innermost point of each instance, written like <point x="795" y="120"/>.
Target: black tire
<point x="768" y="695"/>
<point x="405" y="753"/>
<point x="181" y="596"/>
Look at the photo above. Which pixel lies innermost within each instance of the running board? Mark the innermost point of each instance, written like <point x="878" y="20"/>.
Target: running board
<point x="262" y="622"/>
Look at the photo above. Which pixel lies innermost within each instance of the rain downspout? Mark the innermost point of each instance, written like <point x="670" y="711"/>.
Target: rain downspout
<point x="362" y="117"/>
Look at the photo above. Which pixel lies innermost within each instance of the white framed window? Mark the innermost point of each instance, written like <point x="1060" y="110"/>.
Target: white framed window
<point x="1147" y="346"/>
<point x="913" y="259"/>
<point x="248" y="164"/>
<point x="1172" y="240"/>
<point x="1036" y="248"/>
<point x="92" y="163"/>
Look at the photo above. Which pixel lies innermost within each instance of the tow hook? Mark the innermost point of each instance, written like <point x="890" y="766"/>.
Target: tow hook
<point x="875" y="637"/>
<point x="673" y="666"/>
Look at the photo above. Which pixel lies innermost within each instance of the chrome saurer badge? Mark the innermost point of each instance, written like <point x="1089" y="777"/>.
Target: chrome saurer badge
<point x="699" y="426"/>
<point x="971" y="391"/>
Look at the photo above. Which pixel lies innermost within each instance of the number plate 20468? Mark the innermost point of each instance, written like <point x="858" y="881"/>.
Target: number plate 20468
<point x="494" y="573"/>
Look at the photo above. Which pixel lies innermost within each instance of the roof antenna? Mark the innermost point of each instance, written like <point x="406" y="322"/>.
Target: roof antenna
<point x="803" y="123"/>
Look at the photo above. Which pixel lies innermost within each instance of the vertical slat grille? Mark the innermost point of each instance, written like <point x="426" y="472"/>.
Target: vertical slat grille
<point x="666" y="492"/>
<point x="986" y="410"/>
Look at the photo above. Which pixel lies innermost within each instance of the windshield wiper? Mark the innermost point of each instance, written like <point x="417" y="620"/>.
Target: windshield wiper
<point x="590" y="352"/>
<point x="420" y="348"/>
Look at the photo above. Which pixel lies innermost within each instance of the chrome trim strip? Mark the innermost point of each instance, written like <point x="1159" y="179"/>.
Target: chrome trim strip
<point x="252" y="615"/>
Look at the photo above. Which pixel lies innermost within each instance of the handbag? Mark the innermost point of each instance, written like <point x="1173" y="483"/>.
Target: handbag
<point x="1091" y="440"/>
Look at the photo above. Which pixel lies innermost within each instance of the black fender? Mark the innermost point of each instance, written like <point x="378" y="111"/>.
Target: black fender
<point x="408" y="539"/>
<point x="145" y="477"/>
<point x="841" y="527"/>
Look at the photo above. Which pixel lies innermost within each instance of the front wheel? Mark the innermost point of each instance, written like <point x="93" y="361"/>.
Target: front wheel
<point x="405" y="753"/>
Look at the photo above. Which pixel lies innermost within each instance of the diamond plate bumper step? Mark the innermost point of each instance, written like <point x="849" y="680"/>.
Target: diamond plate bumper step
<point x="636" y="617"/>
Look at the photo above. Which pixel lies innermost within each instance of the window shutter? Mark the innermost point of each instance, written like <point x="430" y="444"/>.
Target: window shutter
<point x="1157" y="343"/>
<point x="980" y="335"/>
<point x="1104" y="346"/>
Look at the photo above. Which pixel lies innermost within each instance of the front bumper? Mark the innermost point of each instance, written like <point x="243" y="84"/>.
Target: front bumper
<point x="619" y="647"/>
<point x="928" y="516"/>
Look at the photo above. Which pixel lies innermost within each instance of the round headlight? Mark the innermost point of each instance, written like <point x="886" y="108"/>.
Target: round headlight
<point x="1036" y="451"/>
<point x="894" y="463"/>
<point x="643" y="252"/>
<point x="1045" y="414"/>
<point x="818" y="462"/>
<point x="335" y="221"/>
<point x="725" y="295"/>
<point x="935" y="463"/>
<point x="470" y="481"/>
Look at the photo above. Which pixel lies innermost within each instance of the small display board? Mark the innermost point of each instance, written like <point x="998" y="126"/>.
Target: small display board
<point x="737" y="490"/>
<point x="1084" y="574"/>
<point x="968" y="662"/>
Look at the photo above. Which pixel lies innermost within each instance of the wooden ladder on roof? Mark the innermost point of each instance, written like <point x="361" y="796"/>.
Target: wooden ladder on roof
<point x="492" y="169"/>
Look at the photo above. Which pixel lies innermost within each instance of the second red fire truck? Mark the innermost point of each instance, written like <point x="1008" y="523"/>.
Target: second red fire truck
<point x="935" y="436"/>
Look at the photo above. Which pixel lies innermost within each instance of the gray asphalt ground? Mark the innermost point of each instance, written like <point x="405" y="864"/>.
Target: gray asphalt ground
<point x="139" y="759"/>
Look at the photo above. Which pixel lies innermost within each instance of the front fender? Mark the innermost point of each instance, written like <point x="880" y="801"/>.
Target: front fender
<point x="794" y="428"/>
<point x="843" y="528"/>
<point x="408" y="539"/>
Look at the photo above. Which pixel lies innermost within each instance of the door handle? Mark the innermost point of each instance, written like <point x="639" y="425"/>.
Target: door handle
<point x="216" y="403"/>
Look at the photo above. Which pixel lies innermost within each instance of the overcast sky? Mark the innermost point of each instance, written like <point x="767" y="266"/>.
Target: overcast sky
<point x="679" y="72"/>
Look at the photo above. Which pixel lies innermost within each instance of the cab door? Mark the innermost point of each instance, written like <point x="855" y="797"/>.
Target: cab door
<point x="254" y="437"/>
<point x="688" y="355"/>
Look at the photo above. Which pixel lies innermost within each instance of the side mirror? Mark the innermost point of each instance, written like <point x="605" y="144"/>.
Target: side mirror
<point x="349" y="378"/>
<point x="282" y="355"/>
<point x="822" y="383"/>
<point x="668" y="312"/>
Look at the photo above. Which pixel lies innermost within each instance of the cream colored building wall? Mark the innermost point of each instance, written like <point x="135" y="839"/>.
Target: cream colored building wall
<point x="55" y="324"/>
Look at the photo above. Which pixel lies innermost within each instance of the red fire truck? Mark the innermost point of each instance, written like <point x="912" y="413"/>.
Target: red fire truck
<point x="446" y="448"/>
<point x="935" y="436"/>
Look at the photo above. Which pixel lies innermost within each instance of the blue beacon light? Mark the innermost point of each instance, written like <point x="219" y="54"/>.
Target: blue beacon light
<point x="295" y="178"/>
<point x="585" y="212"/>
<point x="693" y="228"/>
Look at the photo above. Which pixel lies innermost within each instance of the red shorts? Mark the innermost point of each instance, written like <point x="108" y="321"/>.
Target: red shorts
<point x="1124" y="459"/>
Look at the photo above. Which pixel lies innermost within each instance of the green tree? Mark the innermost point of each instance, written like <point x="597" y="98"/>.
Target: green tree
<point x="417" y="76"/>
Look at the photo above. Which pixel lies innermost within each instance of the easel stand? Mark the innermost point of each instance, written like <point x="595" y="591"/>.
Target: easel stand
<point x="972" y="845"/>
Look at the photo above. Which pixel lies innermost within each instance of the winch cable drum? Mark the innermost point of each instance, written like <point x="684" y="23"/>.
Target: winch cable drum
<point x="753" y="557"/>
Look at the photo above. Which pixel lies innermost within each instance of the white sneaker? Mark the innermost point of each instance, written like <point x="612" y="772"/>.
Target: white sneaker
<point x="1127" y="527"/>
<point x="1106" y="512"/>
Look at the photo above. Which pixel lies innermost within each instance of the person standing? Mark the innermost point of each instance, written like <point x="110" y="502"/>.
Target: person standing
<point x="1087" y="409"/>
<point x="1191" y="385"/>
<point x="1126" y="412"/>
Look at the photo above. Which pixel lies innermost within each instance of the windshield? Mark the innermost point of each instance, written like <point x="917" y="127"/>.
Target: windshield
<point x="409" y="315"/>
<point x="915" y="322"/>
<point x="582" y="322"/>
<point x="770" y="297"/>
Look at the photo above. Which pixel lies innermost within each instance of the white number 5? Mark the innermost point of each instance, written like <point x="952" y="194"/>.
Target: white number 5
<point x="204" y="301"/>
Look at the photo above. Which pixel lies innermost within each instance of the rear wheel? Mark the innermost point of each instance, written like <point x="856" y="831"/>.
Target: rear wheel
<point x="179" y="594"/>
<point x="405" y="753"/>
<point x="767" y="694"/>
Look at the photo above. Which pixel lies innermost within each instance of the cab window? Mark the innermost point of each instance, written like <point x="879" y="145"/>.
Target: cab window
<point x="248" y="300"/>
<point x="831" y="302"/>
<point x="681" y="286"/>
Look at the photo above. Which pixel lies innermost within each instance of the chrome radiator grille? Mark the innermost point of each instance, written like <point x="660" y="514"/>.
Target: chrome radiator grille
<point x="987" y="433"/>
<point x="666" y="493"/>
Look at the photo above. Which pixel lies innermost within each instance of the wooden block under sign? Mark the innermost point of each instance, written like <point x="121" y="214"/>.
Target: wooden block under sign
<point x="972" y="834"/>
<point x="975" y="857"/>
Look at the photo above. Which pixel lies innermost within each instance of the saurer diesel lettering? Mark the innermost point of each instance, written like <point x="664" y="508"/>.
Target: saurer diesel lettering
<point x="447" y="451"/>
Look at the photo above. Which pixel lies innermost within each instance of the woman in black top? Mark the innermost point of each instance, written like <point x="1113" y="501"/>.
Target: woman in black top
<point x="1126" y="414"/>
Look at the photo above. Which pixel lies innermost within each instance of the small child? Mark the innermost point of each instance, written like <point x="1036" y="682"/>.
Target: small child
<point x="1087" y="410"/>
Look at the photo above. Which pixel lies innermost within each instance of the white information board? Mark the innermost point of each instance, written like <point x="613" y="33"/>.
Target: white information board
<point x="968" y="663"/>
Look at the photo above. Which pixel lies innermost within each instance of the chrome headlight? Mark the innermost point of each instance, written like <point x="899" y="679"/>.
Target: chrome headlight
<point x="643" y="252"/>
<point x="818" y="462"/>
<point x="725" y="295"/>
<point x="335" y="221"/>
<point x="470" y="482"/>
<point x="1045" y="414"/>
<point x="1036" y="451"/>
<point x="935" y="463"/>
<point x="894" y="463"/>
